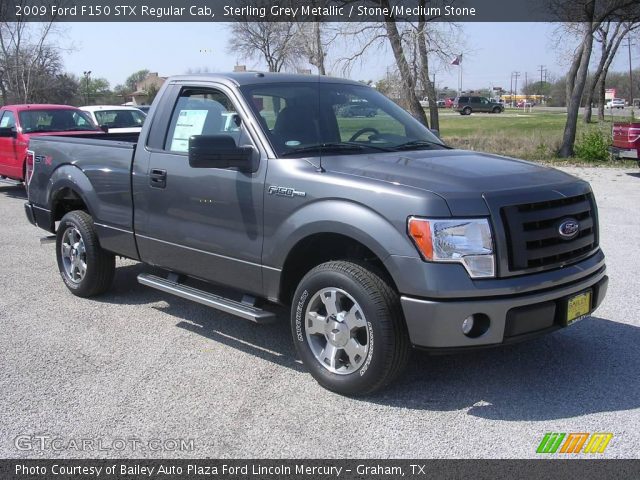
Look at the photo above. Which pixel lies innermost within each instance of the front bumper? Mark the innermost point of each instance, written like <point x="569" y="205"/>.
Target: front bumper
<point x="437" y="324"/>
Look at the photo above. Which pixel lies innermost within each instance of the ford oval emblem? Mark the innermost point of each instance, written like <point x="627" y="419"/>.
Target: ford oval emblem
<point x="569" y="228"/>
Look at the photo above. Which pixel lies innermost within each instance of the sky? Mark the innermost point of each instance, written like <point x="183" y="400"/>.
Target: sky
<point x="491" y="52"/>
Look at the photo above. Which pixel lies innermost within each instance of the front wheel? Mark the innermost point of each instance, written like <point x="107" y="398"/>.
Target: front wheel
<point x="86" y="268"/>
<point x="466" y="111"/>
<point x="348" y="328"/>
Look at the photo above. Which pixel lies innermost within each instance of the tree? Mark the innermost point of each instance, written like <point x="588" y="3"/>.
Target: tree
<point x="414" y="45"/>
<point x="609" y="35"/>
<point x="95" y="90"/>
<point x="26" y="56"/>
<point x="277" y="43"/>
<point x="132" y="80"/>
<point x="592" y="14"/>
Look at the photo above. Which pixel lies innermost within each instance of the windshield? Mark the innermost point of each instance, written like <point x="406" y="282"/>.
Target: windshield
<point x="120" y="118"/>
<point x="59" y="120"/>
<point x="332" y="118"/>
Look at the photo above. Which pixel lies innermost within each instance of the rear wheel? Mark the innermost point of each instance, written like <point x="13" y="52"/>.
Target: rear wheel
<point x="348" y="328"/>
<point x="466" y="111"/>
<point x="86" y="268"/>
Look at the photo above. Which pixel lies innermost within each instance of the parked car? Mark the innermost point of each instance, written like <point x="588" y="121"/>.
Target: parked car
<point x="144" y="108"/>
<point x="615" y="103"/>
<point x="117" y="119"/>
<point x="466" y="105"/>
<point x="448" y="102"/>
<point x="20" y="123"/>
<point x="378" y="239"/>
<point x="525" y="104"/>
<point x="358" y="110"/>
<point x="626" y="140"/>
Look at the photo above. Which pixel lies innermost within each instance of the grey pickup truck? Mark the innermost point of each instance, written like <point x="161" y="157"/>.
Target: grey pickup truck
<point x="378" y="236"/>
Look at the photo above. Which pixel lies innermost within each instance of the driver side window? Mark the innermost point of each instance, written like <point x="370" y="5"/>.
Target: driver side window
<point x="8" y="120"/>
<point x="201" y="111"/>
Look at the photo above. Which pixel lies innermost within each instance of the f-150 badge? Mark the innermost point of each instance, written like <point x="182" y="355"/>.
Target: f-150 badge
<point x="285" y="192"/>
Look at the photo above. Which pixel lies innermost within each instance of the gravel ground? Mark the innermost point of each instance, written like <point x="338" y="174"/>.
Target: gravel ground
<point x="137" y="364"/>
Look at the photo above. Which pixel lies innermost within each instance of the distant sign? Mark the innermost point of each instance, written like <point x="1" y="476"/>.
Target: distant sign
<point x="610" y="94"/>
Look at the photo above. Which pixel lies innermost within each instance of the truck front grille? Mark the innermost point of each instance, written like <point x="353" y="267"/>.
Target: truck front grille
<point x="533" y="237"/>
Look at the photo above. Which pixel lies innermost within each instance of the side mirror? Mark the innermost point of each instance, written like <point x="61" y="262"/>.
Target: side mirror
<point x="104" y="128"/>
<point x="218" y="151"/>
<point x="9" y="132"/>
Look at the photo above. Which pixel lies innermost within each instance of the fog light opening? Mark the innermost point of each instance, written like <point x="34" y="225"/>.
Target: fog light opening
<point x="475" y="325"/>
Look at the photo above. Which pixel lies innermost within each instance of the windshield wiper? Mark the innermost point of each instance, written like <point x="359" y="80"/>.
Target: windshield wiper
<point x="334" y="146"/>
<point x="418" y="144"/>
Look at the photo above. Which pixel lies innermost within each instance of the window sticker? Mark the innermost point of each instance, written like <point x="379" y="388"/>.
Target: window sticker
<point x="190" y="122"/>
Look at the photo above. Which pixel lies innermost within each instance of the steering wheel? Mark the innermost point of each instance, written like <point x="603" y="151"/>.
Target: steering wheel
<point x="362" y="131"/>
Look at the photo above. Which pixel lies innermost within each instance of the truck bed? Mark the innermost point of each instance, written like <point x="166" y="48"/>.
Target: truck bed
<point x="100" y="165"/>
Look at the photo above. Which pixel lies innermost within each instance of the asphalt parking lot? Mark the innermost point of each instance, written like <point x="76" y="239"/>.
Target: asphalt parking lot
<point x="137" y="364"/>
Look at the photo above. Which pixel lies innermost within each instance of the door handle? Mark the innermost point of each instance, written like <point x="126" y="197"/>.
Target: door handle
<point x="158" y="178"/>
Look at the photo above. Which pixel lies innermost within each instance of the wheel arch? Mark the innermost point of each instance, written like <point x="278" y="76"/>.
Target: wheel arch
<point x="69" y="189"/>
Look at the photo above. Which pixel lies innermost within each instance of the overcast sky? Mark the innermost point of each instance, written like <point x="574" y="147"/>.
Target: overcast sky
<point x="492" y="51"/>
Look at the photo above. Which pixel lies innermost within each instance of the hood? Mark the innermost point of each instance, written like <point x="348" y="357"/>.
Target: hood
<point x="460" y="177"/>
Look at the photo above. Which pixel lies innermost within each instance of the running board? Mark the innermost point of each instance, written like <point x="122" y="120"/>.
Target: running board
<point x="212" y="300"/>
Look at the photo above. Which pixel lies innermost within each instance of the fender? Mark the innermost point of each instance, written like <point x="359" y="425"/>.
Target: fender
<point x="344" y="217"/>
<point x="72" y="177"/>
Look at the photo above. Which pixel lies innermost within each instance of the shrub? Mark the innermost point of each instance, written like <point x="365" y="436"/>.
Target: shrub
<point x="593" y="145"/>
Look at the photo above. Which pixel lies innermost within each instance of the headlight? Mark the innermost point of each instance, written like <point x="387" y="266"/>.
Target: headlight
<point x="464" y="240"/>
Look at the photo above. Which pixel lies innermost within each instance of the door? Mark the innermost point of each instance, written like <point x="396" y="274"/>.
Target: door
<point x="203" y="222"/>
<point x="9" y="148"/>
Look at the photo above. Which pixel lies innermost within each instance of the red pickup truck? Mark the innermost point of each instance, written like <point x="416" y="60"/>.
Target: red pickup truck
<point x="626" y="140"/>
<point x="20" y="122"/>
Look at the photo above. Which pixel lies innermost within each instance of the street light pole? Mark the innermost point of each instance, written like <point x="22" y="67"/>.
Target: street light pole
<point x="87" y="74"/>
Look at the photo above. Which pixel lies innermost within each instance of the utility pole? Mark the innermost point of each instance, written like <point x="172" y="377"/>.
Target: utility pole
<point x="511" y="90"/>
<point x="516" y="75"/>
<point x="629" y="45"/>
<point x="541" y="70"/>
<point x="87" y="74"/>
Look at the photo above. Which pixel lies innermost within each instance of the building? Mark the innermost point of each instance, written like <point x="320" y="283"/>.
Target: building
<point x="150" y="85"/>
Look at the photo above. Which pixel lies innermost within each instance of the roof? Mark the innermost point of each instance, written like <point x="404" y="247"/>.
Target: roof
<point x="253" y="78"/>
<point x="97" y="108"/>
<point x="40" y="106"/>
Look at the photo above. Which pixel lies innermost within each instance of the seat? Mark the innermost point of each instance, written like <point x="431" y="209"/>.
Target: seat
<point x="61" y="120"/>
<point x="123" y="120"/>
<point x="296" y="124"/>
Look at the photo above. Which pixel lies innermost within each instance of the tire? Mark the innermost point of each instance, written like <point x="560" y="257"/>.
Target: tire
<point x="497" y="110"/>
<point x="466" y="111"/>
<point x="360" y="344"/>
<point x="86" y="269"/>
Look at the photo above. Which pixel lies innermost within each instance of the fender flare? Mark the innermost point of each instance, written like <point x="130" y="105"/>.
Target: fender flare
<point x="343" y="217"/>
<point x="72" y="177"/>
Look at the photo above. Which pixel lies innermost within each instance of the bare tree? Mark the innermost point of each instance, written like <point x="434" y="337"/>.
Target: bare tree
<point x="277" y="43"/>
<point x="609" y="36"/>
<point x="593" y="13"/>
<point x="25" y="55"/>
<point x="315" y="39"/>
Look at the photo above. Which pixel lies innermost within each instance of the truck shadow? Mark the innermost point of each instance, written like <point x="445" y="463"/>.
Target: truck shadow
<point x="634" y="174"/>
<point x="13" y="190"/>
<point x="588" y="368"/>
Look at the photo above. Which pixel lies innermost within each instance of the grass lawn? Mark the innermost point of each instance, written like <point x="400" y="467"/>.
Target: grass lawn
<point x="531" y="135"/>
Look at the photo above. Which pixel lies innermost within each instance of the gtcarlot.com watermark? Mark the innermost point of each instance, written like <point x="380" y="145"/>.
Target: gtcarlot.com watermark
<point x="48" y="443"/>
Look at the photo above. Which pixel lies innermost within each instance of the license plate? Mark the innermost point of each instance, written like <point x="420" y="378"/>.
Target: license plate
<point x="578" y="307"/>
